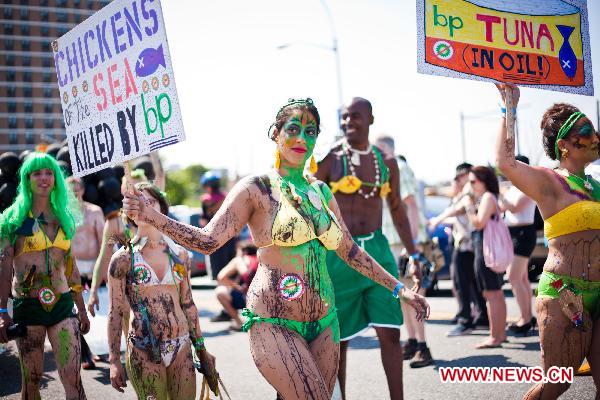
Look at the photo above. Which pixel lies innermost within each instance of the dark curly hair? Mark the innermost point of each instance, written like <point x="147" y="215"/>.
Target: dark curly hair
<point x="287" y="110"/>
<point x="488" y="177"/>
<point x="553" y="119"/>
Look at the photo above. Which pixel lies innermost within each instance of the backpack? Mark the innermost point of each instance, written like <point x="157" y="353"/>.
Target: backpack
<point x="498" y="251"/>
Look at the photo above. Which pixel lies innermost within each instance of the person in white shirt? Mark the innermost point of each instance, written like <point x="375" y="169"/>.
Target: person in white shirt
<point x="519" y="213"/>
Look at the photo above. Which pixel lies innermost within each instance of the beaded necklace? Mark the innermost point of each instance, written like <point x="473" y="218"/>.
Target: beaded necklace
<point x="376" y="161"/>
<point x="588" y="185"/>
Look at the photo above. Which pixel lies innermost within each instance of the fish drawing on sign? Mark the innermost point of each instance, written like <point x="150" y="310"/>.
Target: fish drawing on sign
<point x="149" y="60"/>
<point x="566" y="55"/>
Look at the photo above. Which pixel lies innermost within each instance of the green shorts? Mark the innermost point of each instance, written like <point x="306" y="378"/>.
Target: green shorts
<point x="29" y="311"/>
<point x="360" y="301"/>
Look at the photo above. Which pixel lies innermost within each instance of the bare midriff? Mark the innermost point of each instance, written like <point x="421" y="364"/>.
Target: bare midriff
<point x="307" y="262"/>
<point x="576" y="254"/>
<point x="167" y="319"/>
<point x="30" y="271"/>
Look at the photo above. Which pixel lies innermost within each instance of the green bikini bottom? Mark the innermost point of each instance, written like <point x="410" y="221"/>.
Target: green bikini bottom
<point x="308" y="330"/>
<point x="589" y="290"/>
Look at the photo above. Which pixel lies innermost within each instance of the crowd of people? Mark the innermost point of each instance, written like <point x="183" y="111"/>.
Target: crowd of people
<point x="337" y="246"/>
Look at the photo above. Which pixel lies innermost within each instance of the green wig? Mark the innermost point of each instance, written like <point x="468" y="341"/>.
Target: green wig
<point x="63" y="203"/>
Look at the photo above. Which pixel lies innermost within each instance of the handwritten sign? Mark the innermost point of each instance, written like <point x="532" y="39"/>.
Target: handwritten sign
<point x="538" y="43"/>
<point x="117" y="87"/>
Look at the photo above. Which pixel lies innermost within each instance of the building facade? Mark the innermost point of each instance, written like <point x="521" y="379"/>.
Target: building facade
<point x="30" y="109"/>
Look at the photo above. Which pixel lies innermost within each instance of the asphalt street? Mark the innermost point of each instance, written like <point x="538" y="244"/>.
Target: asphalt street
<point x="366" y="379"/>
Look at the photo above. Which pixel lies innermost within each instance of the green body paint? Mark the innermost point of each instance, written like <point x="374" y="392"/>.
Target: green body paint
<point x="24" y="372"/>
<point x="63" y="347"/>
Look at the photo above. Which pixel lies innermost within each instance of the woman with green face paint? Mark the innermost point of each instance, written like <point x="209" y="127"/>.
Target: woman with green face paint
<point x="294" y="220"/>
<point x="568" y="294"/>
<point x="36" y="233"/>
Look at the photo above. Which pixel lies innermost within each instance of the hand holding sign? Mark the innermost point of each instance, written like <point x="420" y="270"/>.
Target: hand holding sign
<point x="510" y="98"/>
<point x="134" y="204"/>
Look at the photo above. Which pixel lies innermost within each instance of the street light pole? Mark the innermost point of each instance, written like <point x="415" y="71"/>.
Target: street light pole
<point x="338" y="69"/>
<point x="462" y="137"/>
<point x="336" y="52"/>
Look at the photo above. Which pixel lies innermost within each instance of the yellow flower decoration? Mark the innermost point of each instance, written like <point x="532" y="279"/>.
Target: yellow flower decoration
<point x="348" y="184"/>
<point x="385" y="190"/>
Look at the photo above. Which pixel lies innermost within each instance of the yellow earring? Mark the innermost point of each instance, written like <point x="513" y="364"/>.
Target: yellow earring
<point x="277" y="158"/>
<point x="565" y="153"/>
<point x="313" y="165"/>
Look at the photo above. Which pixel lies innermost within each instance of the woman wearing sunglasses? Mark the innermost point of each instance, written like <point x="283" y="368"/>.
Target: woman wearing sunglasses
<point x="568" y="300"/>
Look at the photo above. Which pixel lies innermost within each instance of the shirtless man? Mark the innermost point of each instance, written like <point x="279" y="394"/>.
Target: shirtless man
<point x="87" y="240"/>
<point x="360" y="303"/>
<point x="85" y="247"/>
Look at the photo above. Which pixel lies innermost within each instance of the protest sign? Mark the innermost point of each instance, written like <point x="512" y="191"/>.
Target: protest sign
<point x="116" y="84"/>
<point x="538" y="43"/>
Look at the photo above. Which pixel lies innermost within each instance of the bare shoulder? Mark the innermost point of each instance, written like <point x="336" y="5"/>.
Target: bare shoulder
<point x="258" y="185"/>
<point x="92" y="208"/>
<point x="120" y="263"/>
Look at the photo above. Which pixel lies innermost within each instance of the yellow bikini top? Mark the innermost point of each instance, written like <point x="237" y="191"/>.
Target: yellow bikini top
<point x="291" y="229"/>
<point x="38" y="241"/>
<point x="580" y="216"/>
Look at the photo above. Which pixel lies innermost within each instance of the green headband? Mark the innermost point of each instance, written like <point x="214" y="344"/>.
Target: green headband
<point x="565" y="128"/>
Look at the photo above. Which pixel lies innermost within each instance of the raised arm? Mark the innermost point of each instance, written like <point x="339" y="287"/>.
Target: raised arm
<point x="6" y="268"/>
<point x="227" y="223"/>
<point x="535" y="182"/>
<point x="119" y="265"/>
<point x="362" y="262"/>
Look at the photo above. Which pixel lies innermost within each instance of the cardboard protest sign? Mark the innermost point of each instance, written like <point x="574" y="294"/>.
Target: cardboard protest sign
<point x="117" y="87"/>
<point x="538" y="43"/>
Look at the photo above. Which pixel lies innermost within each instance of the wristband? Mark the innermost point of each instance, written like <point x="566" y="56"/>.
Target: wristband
<point x="414" y="256"/>
<point x="397" y="288"/>
<point x="199" y="343"/>
<point x="3" y="310"/>
<point x="503" y="110"/>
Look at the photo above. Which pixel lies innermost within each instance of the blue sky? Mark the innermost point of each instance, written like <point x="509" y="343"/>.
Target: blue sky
<point x="232" y="79"/>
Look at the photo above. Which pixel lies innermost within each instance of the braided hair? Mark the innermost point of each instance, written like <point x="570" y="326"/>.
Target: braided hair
<point x="288" y="109"/>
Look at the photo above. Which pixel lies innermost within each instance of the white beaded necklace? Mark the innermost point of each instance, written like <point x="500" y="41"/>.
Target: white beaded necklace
<point x="353" y="171"/>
